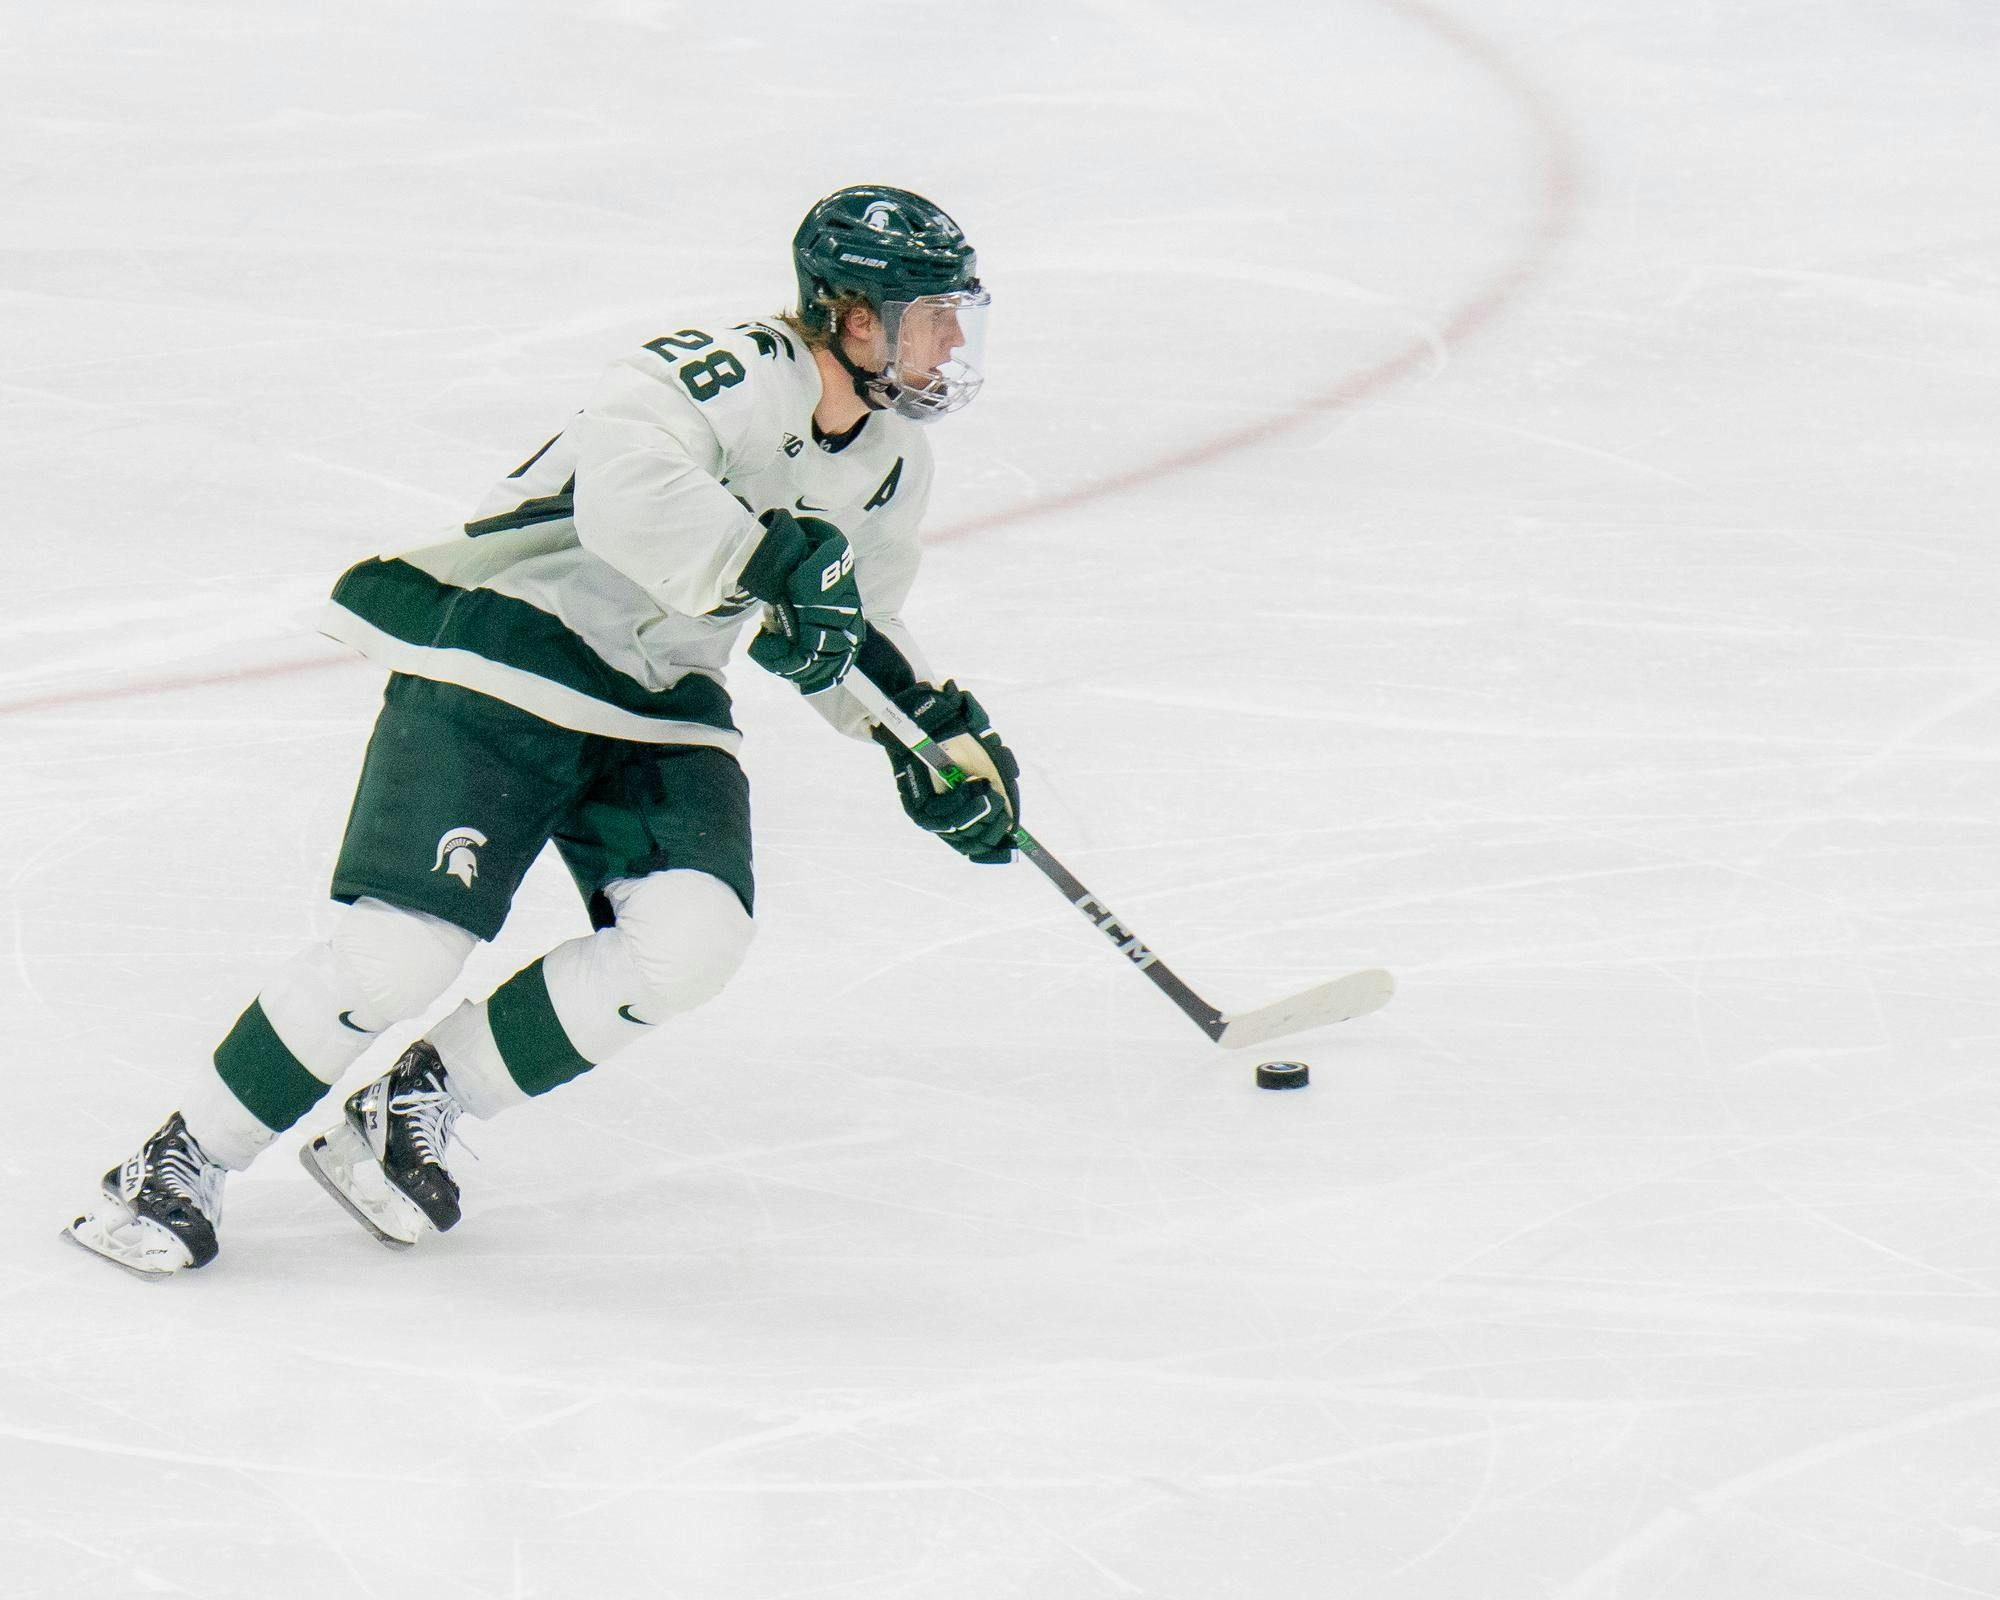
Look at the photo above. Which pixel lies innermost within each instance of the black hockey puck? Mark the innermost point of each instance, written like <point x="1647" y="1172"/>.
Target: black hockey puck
<point x="1282" y="1075"/>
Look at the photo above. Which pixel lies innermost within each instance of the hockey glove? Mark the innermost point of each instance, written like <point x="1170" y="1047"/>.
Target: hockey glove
<point x="804" y="570"/>
<point x="976" y="817"/>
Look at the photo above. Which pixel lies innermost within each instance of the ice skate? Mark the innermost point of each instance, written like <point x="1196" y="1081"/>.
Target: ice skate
<point x="160" y="1208"/>
<point x="384" y="1161"/>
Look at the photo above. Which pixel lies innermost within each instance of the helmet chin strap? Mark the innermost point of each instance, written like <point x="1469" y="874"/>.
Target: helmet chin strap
<point x="872" y="389"/>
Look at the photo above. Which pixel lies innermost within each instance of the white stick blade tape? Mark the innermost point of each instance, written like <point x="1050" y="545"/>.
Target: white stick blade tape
<point x="1355" y="995"/>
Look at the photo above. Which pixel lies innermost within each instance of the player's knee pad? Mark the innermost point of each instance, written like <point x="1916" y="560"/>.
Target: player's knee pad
<point x="684" y="933"/>
<point x="395" y="962"/>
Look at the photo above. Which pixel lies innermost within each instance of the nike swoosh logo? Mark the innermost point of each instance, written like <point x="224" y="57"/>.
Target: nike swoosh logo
<point x="801" y="504"/>
<point x="626" y="1013"/>
<point x="347" y="1021"/>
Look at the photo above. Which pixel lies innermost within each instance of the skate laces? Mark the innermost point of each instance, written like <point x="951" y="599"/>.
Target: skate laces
<point x="182" y="1168"/>
<point x="430" y="1111"/>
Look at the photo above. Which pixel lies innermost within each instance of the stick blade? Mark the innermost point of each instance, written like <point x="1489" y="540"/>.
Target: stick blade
<point x="1343" y="999"/>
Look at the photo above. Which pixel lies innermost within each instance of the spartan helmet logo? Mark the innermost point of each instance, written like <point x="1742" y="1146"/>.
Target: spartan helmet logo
<point x="879" y="216"/>
<point x="455" y="855"/>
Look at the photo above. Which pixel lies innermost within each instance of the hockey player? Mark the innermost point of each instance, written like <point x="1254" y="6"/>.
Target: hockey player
<point x="557" y="676"/>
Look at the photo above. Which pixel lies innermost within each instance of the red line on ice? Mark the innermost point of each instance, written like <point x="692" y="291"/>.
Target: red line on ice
<point x="1558" y="172"/>
<point x="1557" y="161"/>
<point x="168" y="683"/>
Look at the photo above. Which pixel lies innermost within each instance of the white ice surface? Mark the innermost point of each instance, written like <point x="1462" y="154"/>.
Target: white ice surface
<point x="1601" y="633"/>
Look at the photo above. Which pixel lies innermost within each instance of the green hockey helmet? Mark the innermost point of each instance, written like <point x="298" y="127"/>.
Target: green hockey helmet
<point x="880" y="243"/>
<point x="912" y="265"/>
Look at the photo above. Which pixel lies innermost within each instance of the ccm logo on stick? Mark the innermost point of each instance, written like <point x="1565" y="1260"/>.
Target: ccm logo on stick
<point x="1110" y="927"/>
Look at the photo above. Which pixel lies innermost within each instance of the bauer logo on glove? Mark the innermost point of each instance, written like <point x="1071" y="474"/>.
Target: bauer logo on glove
<point x="804" y="570"/>
<point x="837" y="570"/>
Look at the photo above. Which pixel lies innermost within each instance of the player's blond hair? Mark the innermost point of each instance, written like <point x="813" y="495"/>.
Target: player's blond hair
<point x="837" y="306"/>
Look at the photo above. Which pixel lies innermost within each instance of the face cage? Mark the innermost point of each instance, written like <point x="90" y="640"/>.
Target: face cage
<point x="935" y="353"/>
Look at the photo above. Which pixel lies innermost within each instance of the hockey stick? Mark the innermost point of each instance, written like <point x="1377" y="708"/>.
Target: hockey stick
<point x="1355" y="995"/>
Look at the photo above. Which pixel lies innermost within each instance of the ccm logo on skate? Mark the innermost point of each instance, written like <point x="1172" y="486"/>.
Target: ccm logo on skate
<point x="1116" y="932"/>
<point x="836" y="570"/>
<point x="455" y="857"/>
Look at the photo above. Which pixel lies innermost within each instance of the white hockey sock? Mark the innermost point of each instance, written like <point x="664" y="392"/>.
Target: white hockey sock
<point x="562" y="1015"/>
<point x="318" y="1014"/>
<point x="680" y="934"/>
<point x="474" y="1072"/>
<point x="221" y="1124"/>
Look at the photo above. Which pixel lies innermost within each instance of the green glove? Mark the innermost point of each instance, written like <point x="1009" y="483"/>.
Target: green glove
<point x="975" y="818"/>
<point x="804" y="570"/>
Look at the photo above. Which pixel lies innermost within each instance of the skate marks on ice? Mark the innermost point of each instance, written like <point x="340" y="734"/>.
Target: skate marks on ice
<point x="1017" y="1318"/>
<point x="1704" y="1510"/>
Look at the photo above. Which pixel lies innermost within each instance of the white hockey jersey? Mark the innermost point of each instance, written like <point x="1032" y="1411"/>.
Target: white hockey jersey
<point x="597" y="585"/>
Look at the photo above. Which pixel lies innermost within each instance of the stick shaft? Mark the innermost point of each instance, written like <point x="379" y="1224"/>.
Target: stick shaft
<point x="1100" y="916"/>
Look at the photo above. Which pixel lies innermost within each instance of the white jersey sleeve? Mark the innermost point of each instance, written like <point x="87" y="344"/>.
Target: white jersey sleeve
<point x="887" y="556"/>
<point x="666" y="425"/>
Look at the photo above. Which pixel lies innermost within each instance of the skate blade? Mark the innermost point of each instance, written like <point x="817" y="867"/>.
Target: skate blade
<point x="137" y="1244"/>
<point x="341" y="1164"/>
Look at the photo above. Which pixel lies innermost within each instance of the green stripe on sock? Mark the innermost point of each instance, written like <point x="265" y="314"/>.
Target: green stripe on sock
<point x="274" y="1086"/>
<point x="532" y="1043"/>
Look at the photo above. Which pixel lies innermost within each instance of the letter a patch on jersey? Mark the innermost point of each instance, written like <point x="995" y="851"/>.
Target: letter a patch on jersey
<point x="887" y="492"/>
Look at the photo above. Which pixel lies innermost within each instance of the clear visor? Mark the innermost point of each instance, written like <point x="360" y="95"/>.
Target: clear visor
<point x="936" y="351"/>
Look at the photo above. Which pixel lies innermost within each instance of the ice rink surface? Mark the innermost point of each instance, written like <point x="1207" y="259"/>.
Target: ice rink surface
<point x="1503" y="492"/>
